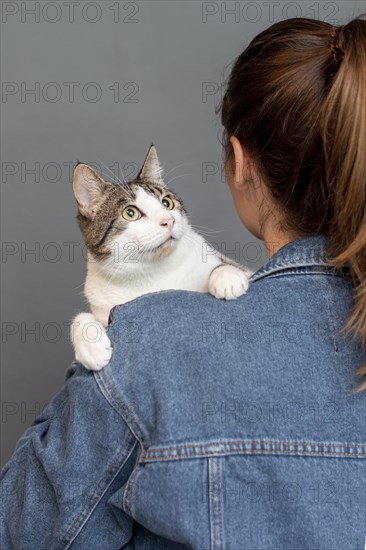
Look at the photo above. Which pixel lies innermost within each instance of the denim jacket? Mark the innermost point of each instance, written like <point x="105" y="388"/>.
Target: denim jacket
<point x="216" y="425"/>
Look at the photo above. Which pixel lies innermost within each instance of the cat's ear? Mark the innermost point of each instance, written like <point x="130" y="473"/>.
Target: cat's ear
<point x="151" y="170"/>
<point x="89" y="190"/>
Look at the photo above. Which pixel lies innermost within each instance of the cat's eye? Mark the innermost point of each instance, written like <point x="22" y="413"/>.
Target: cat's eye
<point x="168" y="203"/>
<point x="131" y="213"/>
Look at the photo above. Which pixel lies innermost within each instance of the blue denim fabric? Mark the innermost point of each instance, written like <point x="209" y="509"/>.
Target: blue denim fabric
<point x="216" y="425"/>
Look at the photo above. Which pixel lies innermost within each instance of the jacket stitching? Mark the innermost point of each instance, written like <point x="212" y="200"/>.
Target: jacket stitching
<point x="118" y="404"/>
<point x="211" y="499"/>
<point x="253" y="442"/>
<point x="216" y="529"/>
<point x="83" y="516"/>
<point x="332" y="326"/>
<point x="128" y="496"/>
<point x="283" y="270"/>
<point x="287" y="272"/>
<point x="250" y="451"/>
<point x="298" y="271"/>
<point x="219" y="473"/>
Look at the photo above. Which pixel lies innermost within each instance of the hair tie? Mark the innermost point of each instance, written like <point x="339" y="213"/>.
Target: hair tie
<point x="337" y="52"/>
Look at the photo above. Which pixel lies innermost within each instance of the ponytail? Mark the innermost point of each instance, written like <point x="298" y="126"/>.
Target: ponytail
<point x="343" y="129"/>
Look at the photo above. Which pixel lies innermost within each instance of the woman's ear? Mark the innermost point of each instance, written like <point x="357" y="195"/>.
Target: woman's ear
<point x="237" y="163"/>
<point x="244" y="172"/>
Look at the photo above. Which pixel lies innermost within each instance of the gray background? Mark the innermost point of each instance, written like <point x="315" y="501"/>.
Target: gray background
<point x="168" y="58"/>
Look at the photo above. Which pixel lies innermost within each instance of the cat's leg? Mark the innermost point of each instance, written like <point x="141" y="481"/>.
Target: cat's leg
<point x="90" y="341"/>
<point x="228" y="281"/>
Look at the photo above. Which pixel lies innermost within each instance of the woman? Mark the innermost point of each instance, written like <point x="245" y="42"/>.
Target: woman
<point x="233" y="424"/>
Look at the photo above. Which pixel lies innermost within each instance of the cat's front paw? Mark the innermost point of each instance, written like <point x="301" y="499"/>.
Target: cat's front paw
<point x="95" y="357"/>
<point x="91" y="343"/>
<point x="228" y="282"/>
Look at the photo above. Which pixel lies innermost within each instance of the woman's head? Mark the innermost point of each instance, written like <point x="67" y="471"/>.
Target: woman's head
<point x="294" y="118"/>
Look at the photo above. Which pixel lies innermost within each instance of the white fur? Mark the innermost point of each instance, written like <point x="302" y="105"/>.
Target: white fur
<point x="134" y="269"/>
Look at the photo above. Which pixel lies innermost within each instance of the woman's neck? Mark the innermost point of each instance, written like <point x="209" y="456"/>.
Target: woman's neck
<point x="275" y="240"/>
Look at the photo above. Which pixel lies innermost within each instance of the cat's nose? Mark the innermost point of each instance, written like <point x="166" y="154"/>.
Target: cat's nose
<point x="168" y="222"/>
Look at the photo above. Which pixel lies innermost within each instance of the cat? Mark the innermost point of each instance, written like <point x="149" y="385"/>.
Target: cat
<point x="139" y="240"/>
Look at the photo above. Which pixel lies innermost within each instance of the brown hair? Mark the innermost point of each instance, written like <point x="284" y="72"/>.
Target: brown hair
<point x="296" y="98"/>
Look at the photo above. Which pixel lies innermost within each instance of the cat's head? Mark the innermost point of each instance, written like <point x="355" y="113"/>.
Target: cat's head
<point x="141" y="219"/>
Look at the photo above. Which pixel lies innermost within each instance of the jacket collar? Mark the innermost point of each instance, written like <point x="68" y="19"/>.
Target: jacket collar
<point x="304" y="252"/>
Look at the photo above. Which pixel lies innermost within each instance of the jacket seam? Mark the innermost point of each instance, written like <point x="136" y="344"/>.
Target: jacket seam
<point x="114" y="399"/>
<point x="211" y="507"/>
<point x="278" y="274"/>
<point x="300" y="448"/>
<point x="285" y="452"/>
<point x="129" y="488"/>
<point x="219" y="475"/>
<point x="332" y="325"/>
<point x="215" y="509"/>
<point x="80" y="520"/>
<point x="259" y="442"/>
<point x="286" y="271"/>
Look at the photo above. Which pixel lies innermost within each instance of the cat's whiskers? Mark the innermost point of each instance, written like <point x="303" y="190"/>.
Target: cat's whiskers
<point x="206" y="234"/>
<point x="114" y="175"/>
<point x="113" y="266"/>
<point x="190" y="238"/>
<point x="78" y="286"/>
<point x="179" y="165"/>
<point x="202" y="228"/>
<point x="141" y="255"/>
<point x="112" y="273"/>
<point x="176" y="177"/>
<point x="206" y="246"/>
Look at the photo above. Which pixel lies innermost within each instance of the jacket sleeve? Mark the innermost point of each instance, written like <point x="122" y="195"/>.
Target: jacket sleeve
<point x="56" y="489"/>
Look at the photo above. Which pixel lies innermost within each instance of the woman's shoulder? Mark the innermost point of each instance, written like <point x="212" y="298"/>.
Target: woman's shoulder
<point x="169" y="301"/>
<point x="178" y="315"/>
<point x="266" y="298"/>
